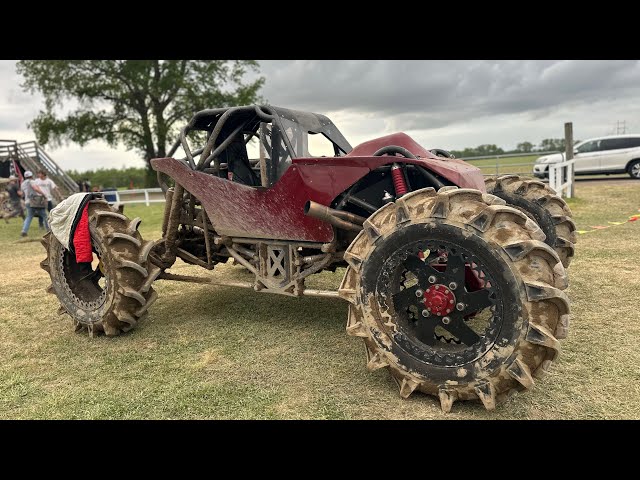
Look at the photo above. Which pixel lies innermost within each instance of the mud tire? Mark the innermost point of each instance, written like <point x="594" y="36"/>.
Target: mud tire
<point x="544" y="206"/>
<point x="128" y="274"/>
<point x="5" y="206"/>
<point x="535" y="315"/>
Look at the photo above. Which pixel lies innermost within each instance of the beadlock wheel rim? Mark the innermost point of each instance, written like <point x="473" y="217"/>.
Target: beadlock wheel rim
<point x="449" y="336"/>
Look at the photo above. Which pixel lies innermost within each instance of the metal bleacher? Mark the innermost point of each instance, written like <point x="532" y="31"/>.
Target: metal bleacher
<point x="31" y="156"/>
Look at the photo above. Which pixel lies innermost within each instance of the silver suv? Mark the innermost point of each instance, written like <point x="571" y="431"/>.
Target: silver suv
<point x="612" y="154"/>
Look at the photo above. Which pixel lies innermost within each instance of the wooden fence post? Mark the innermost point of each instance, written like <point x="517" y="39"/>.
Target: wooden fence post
<point x="568" y="148"/>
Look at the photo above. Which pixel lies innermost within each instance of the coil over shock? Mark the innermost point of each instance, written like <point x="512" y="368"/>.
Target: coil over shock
<point x="399" y="183"/>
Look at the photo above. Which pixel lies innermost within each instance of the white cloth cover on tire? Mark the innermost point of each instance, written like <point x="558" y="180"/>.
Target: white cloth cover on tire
<point x="63" y="216"/>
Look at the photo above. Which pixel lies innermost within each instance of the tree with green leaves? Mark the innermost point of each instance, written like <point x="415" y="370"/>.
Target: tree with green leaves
<point x="525" y="147"/>
<point x="551" y="144"/>
<point x="488" y="149"/>
<point x="124" y="177"/>
<point x="140" y="104"/>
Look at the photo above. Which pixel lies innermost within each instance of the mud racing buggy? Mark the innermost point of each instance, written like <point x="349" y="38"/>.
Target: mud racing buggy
<point x="458" y="292"/>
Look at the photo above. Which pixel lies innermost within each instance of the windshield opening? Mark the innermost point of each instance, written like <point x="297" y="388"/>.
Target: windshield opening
<point x="307" y="143"/>
<point x="311" y="134"/>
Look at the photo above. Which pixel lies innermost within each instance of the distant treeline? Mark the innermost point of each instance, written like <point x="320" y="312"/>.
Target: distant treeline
<point x="546" y="145"/>
<point x="131" y="177"/>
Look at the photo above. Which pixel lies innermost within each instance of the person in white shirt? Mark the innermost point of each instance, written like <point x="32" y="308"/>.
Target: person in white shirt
<point x="47" y="186"/>
<point x="28" y="188"/>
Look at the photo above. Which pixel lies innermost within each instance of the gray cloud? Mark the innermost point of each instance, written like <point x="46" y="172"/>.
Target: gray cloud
<point x="432" y="94"/>
<point x="448" y="104"/>
<point x="17" y="107"/>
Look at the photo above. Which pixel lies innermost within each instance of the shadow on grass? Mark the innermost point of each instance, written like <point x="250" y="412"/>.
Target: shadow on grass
<point x="233" y="306"/>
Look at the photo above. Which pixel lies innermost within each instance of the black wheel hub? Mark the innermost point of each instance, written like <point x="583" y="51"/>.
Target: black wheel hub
<point x="445" y="302"/>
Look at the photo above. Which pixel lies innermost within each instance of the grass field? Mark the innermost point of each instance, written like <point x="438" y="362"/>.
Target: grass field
<point x="522" y="165"/>
<point x="213" y="352"/>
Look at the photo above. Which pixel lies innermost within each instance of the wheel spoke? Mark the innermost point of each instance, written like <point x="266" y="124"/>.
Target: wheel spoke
<point x="463" y="331"/>
<point x="405" y="298"/>
<point x="425" y="330"/>
<point x="422" y="270"/>
<point x="455" y="268"/>
<point x="476" y="301"/>
<point x="454" y="285"/>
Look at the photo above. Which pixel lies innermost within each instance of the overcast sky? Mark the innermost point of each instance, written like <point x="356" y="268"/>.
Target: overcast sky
<point x="444" y="104"/>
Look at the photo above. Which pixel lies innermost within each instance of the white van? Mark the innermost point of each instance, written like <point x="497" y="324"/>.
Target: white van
<point x="612" y="154"/>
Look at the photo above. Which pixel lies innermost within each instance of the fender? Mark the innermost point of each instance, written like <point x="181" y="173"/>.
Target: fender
<point x="460" y="173"/>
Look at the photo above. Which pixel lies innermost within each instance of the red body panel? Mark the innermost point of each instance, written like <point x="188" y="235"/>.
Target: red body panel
<point x="278" y="212"/>
<point x="367" y="149"/>
<point x="460" y="173"/>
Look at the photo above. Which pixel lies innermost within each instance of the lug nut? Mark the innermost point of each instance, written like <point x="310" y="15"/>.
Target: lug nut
<point x="425" y="313"/>
<point x="450" y="301"/>
<point x="453" y="285"/>
<point x="460" y="306"/>
<point x="446" y="320"/>
<point x="437" y="287"/>
<point x="419" y="293"/>
<point x="432" y="279"/>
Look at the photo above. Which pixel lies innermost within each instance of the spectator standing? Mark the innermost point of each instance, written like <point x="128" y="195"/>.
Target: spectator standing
<point x="47" y="186"/>
<point x="14" y="198"/>
<point x="29" y="189"/>
<point x="84" y="185"/>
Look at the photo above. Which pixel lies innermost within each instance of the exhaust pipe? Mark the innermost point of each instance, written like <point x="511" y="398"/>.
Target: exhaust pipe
<point x="337" y="218"/>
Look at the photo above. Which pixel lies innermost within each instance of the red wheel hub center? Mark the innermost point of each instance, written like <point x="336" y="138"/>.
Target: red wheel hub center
<point x="439" y="300"/>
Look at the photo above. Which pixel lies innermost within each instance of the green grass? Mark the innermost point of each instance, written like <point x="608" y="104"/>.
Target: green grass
<point x="506" y="165"/>
<point x="221" y="352"/>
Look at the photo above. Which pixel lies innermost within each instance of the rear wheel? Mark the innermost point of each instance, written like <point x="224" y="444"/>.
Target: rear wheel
<point x="112" y="293"/>
<point x="634" y="170"/>
<point x="540" y="203"/>
<point x="457" y="295"/>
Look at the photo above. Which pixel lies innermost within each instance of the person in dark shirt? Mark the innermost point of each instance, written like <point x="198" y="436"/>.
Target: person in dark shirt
<point x="15" y="195"/>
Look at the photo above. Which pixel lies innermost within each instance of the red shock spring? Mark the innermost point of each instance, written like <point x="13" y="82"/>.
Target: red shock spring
<point x="398" y="180"/>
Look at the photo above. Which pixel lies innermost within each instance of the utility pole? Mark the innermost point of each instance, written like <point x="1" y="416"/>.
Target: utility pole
<point x="621" y="127"/>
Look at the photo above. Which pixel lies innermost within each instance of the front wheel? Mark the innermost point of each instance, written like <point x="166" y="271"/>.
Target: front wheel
<point x="112" y="293"/>
<point x="457" y="295"/>
<point x="634" y="170"/>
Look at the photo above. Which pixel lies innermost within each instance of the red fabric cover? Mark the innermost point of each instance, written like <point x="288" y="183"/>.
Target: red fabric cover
<point x="82" y="238"/>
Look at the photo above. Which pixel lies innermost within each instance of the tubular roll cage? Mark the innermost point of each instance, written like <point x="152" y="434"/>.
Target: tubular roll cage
<point x="215" y="120"/>
<point x="207" y="153"/>
<point x="202" y="121"/>
<point x="219" y="116"/>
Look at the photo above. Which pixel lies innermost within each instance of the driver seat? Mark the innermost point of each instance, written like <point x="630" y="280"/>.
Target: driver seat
<point x="238" y="165"/>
